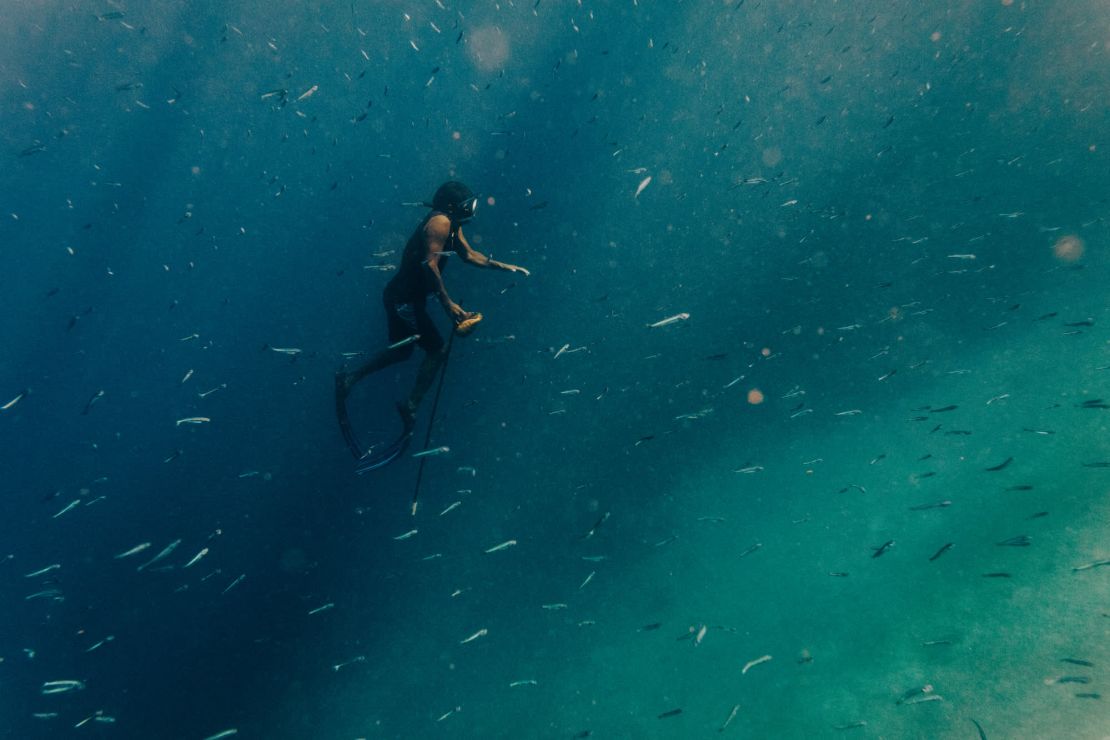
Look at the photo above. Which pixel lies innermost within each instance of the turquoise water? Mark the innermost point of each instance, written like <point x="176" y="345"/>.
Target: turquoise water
<point x="870" y="212"/>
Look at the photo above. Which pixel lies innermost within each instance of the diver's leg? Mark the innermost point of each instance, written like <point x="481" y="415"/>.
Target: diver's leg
<point x="380" y="361"/>
<point x="344" y="381"/>
<point x="432" y="344"/>
<point x="399" y="327"/>
<point x="401" y="322"/>
<point x="429" y="368"/>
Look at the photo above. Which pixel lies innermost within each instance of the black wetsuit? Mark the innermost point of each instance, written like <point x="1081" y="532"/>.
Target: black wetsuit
<point x="406" y="294"/>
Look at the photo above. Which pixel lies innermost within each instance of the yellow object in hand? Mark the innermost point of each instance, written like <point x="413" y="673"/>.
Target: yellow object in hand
<point x="467" y="325"/>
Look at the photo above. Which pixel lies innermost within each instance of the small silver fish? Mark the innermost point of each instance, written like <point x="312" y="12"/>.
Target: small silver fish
<point x="405" y="342"/>
<point x="669" y="320"/>
<point x="433" y="452"/>
<point x="61" y="687"/>
<point x="72" y="505"/>
<point x="13" y="402"/>
<point x="43" y="571"/>
<point x="752" y="663"/>
<point x="133" y="551"/>
<point x="165" y="551"/>
<point x="196" y="558"/>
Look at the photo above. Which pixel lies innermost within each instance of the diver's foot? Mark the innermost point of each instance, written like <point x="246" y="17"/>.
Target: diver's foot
<point x="407" y="413"/>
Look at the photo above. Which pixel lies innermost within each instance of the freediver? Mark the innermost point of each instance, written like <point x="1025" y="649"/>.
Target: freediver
<point x="421" y="274"/>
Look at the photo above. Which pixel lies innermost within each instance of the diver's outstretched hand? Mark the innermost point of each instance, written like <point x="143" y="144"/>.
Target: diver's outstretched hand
<point x="515" y="268"/>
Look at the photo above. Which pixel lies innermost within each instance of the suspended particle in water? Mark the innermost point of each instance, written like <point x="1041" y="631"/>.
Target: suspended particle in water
<point x="755" y="396"/>
<point x="488" y="48"/>
<point x="1068" y="248"/>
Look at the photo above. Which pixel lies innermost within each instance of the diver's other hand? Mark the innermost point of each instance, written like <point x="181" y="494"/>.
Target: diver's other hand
<point x="457" y="313"/>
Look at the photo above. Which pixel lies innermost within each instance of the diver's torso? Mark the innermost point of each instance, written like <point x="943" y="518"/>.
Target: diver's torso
<point x="413" y="283"/>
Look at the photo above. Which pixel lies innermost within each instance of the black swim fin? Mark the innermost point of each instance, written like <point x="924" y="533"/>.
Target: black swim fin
<point x="385" y="456"/>
<point x="344" y="420"/>
<point x="366" y="460"/>
<point x="389" y="454"/>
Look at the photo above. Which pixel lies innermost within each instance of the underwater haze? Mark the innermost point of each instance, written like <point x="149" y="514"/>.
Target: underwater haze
<point x="798" y="427"/>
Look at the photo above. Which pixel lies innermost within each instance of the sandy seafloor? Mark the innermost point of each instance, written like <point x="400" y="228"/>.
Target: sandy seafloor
<point x="871" y="213"/>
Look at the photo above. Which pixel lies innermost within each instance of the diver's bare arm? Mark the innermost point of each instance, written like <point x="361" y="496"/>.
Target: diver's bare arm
<point x="435" y="239"/>
<point x="476" y="258"/>
<point x="441" y="289"/>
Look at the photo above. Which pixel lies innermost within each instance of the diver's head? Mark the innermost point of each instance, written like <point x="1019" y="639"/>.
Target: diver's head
<point x="456" y="200"/>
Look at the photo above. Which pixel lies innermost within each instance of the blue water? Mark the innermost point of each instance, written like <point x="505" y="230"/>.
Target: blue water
<point x="870" y="211"/>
